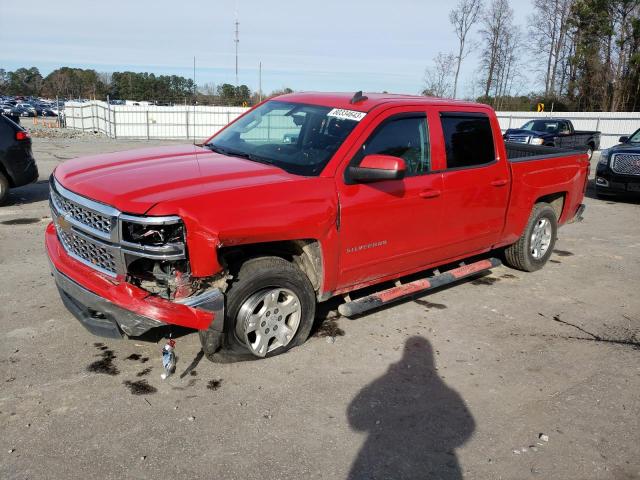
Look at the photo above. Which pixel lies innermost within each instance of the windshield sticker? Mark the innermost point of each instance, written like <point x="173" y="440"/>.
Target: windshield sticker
<point x="346" y="114"/>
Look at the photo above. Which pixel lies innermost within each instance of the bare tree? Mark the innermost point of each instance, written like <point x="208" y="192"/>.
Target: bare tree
<point x="496" y="20"/>
<point x="463" y="17"/>
<point x="548" y="27"/>
<point x="438" y="79"/>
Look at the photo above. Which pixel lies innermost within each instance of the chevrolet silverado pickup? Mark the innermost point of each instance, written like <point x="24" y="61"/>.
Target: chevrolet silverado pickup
<point x="305" y="197"/>
<point x="554" y="132"/>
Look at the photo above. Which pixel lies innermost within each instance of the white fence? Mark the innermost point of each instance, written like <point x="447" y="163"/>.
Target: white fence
<point x="188" y="122"/>
<point x="149" y="122"/>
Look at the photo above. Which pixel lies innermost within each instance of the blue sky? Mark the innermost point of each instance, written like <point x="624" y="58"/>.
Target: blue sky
<point x="329" y="45"/>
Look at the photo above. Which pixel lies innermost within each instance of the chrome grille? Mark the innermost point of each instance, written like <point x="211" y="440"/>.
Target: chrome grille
<point x="90" y="232"/>
<point x="626" y="163"/>
<point x="102" y="257"/>
<point x="82" y="214"/>
<point x="517" y="138"/>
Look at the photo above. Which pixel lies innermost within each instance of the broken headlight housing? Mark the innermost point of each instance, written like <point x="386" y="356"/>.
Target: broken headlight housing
<point x="155" y="255"/>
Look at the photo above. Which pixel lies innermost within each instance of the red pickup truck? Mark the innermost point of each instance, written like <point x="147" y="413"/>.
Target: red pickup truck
<point x="304" y="197"/>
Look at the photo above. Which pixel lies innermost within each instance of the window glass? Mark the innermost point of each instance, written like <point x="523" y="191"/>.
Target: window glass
<point x="404" y="137"/>
<point x="468" y="140"/>
<point x="635" y="138"/>
<point x="296" y="137"/>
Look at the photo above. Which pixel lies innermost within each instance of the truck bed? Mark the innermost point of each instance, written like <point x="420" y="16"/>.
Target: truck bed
<point x="543" y="172"/>
<point x="517" y="152"/>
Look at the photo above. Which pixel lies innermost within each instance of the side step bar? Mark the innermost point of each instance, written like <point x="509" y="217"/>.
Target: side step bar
<point x="375" y="300"/>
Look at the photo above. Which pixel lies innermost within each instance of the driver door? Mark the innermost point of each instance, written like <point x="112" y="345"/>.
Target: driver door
<point x="390" y="226"/>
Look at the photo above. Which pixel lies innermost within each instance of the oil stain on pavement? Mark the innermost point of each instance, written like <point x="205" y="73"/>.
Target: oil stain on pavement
<point x="140" y="387"/>
<point x="105" y="364"/>
<point x="214" y="384"/>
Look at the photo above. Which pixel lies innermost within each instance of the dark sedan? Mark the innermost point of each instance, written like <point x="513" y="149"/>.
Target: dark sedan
<point x="618" y="171"/>
<point x="17" y="165"/>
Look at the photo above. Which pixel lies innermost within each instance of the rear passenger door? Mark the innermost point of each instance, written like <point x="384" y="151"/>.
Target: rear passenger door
<point x="565" y="138"/>
<point x="476" y="184"/>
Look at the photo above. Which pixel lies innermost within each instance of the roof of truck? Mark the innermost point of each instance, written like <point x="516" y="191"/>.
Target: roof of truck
<point x="343" y="100"/>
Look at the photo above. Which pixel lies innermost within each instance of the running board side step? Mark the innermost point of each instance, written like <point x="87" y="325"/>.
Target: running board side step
<point x="385" y="297"/>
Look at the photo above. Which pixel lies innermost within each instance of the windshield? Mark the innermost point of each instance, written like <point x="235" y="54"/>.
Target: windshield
<point x="296" y="137"/>
<point x="542" y="126"/>
<point x="635" y="138"/>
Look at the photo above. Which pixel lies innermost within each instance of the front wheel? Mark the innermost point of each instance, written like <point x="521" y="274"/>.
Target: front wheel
<point x="535" y="245"/>
<point x="270" y="308"/>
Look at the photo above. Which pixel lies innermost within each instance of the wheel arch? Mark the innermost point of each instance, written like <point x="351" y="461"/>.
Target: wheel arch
<point x="306" y="254"/>
<point x="556" y="200"/>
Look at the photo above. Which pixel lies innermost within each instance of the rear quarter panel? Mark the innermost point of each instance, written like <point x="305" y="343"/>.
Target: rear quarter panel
<point x="533" y="179"/>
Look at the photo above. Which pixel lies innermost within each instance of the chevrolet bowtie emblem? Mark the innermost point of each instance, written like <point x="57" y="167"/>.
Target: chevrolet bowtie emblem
<point x="63" y="223"/>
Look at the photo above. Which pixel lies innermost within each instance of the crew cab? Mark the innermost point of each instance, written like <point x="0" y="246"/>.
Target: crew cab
<point x="618" y="170"/>
<point x="554" y="132"/>
<point x="305" y="197"/>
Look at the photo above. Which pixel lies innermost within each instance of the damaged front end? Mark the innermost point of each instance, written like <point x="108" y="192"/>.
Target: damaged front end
<point x="155" y="256"/>
<point x="147" y="252"/>
<point x="156" y="260"/>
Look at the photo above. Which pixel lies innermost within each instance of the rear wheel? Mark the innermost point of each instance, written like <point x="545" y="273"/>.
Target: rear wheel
<point x="589" y="151"/>
<point x="4" y="189"/>
<point x="535" y="245"/>
<point x="270" y="309"/>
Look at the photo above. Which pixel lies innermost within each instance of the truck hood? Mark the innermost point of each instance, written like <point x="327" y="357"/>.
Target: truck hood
<point x="626" y="148"/>
<point x="136" y="180"/>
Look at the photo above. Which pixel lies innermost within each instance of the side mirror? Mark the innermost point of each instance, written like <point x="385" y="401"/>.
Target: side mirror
<point x="623" y="139"/>
<point x="375" y="168"/>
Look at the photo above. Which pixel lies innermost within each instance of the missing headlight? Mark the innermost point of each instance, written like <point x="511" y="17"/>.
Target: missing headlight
<point x="152" y="235"/>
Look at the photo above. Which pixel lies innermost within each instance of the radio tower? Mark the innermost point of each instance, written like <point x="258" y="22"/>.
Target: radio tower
<point x="236" y="41"/>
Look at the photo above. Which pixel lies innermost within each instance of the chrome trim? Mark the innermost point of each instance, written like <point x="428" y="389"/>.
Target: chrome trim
<point x="167" y="252"/>
<point x="615" y="156"/>
<point x="111" y="241"/>
<point x="211" y="301"/>
<point x="166" y="220"/>
<point x="86" y="202"/>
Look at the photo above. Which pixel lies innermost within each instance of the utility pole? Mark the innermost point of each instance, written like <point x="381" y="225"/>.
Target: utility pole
<point x="260" y="81"/>
<point x="236" y="41"/>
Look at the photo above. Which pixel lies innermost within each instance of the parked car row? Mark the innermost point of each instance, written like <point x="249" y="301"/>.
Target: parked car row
<point x="30" y="107"/>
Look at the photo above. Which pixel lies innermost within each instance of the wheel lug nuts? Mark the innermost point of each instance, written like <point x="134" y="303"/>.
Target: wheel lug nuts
<point x="275" y="327"/>
<point x="268" y="313"/>
<point x="280" y="318"/>
<point x="275" y="311"/>
<point x="266" y="331"/>
<point x="263" y="324"/>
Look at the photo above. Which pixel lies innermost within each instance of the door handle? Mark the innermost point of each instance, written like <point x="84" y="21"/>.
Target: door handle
<point x="429" y="193"/>
<point x="499" y="183"/>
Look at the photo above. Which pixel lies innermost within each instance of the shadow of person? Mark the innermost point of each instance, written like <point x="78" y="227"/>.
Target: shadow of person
<point x="413" y="419"/>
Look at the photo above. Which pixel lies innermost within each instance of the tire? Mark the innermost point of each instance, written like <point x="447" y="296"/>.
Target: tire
<point x="589" y="151"/>
<point x="4" y="189"/>
<point x="257" y="282"/>
<point x="522" y="255"/>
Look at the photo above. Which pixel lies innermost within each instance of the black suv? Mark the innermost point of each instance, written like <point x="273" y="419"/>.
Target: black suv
<point x="618" y="170"/>
<point x="17" y="165"/>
